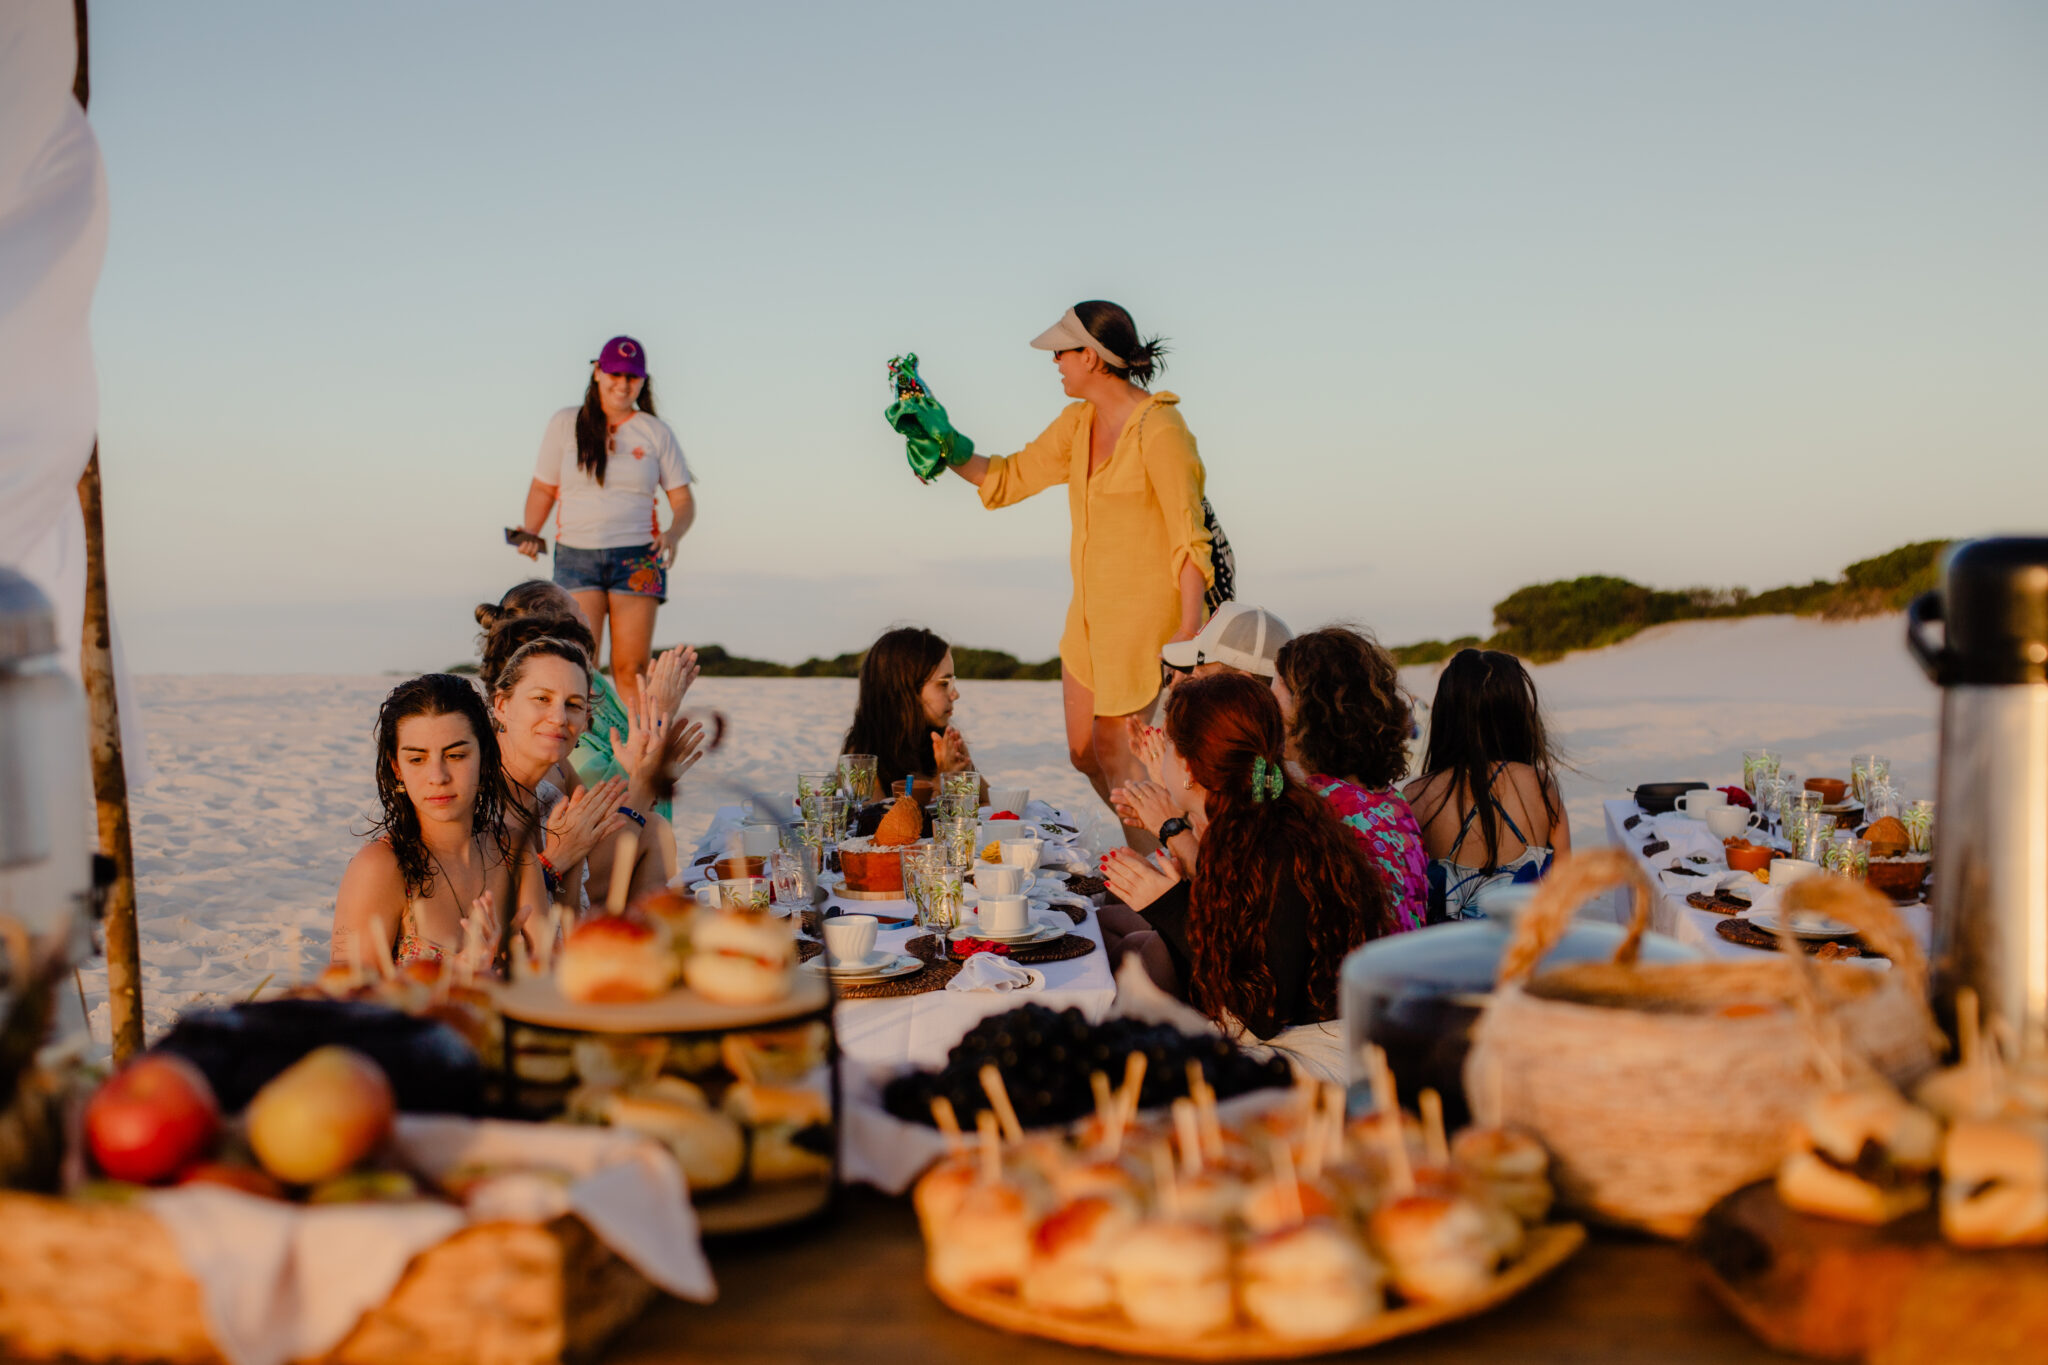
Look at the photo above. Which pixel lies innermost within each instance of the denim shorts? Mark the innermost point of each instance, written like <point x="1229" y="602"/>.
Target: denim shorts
<point x="634" y="569"/>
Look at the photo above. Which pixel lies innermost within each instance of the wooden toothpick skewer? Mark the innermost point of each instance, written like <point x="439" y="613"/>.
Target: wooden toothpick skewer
<point x="991" y="1147"/>
<point x="623" y="857"/>
<point x="1204" y="1096"/>
<point x="1435" y="1141"/>
<point x="1105" y="1109"/>
<point x="1169" y="1187"/>
<point x="949" y="1124"/>
<point x="1134" y="1085"/>
<point x="1283" y="1172"/>
<point x="1189" y="1130"/>
<point x="999" y="1099"/>
<point x="1391" y="1137"/>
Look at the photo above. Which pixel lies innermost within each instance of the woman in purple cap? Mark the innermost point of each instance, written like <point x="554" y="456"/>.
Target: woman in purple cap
<point x="600" y="468"/>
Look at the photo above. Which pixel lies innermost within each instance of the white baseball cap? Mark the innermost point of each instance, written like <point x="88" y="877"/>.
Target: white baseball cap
<point x="1246" y="638"/>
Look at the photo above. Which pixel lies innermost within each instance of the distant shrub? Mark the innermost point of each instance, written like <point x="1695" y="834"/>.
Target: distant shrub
<point x="715" y="661"/>
<point x="1548" y="619"/>
<point x="1432" y="651"/>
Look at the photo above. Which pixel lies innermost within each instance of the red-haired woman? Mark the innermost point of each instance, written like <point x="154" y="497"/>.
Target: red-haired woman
<point x="1280" y="890"/>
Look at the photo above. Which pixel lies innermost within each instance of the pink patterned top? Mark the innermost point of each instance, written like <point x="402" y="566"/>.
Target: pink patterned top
<point x="1392" y="839"/>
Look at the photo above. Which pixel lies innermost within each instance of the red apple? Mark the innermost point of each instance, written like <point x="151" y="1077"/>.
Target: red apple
<point x="320" y="1116"/>
<point x="152" y="1118"/>
<point x="247" y="1179"/>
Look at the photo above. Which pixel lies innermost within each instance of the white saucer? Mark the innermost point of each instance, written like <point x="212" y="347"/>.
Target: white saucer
<point x="880" y="967"/>
<point x="1039" y="932"/>
<point x="1828" y="928"/>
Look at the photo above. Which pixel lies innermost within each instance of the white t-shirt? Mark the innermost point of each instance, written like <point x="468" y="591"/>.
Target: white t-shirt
<point x="588" y="516"/>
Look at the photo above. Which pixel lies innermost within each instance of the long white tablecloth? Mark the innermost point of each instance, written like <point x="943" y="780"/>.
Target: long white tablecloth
<point x="1669" y="913"/>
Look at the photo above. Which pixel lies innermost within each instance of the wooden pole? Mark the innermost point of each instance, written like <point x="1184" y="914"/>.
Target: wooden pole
<point x="109" y="776"/>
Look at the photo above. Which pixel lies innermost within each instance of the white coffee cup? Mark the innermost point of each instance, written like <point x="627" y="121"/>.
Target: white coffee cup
<point x="1005" y="915"/>
<point x="707" y="895"/>
<point x="1001" y="829"/>
<point x="1785" y="871"/>
<point x="1697" y="803"/>
<point x="992" y="879"/>
<point x="758" y="841"/>
<point x="1022" y="852"/>
<point x="1012" y="799"/>
<point x="850" y="940"/>
<point x="1728" y="821"/>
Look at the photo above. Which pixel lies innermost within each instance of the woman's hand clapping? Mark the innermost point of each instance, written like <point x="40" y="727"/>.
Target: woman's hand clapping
<point x="1143" y="805"/>
<point x="1138" y="881"/>
<point x="1148" y="743"/>
<point x="949" y="751"/>
<point x="586" y="819"/>
<point x="667" y="681"/>
<point x="480" y="930"/>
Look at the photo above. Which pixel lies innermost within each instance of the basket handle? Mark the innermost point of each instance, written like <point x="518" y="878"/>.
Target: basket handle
<point x="1571" y="882"/>
<point x="1872" y="914"/>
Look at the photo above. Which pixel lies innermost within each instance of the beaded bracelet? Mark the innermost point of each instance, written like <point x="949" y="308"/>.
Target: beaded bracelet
<point x="549" y="877"/>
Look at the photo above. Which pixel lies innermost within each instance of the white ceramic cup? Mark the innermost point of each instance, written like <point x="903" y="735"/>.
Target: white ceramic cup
<point x="1785" y="871"/>
<point x="1728" y="821"/>
<point x="1697" y="803"/>
<point x="850" y="940"/>
<point x="1022" y="852"/>
<point x="707" y="895"/>
<point x="758" y="841"/>
<point x="1005" y="915"/>
<point x="1013" y="799"/>
<point x="1001" y="829"/>
<point x="992" y="879"/>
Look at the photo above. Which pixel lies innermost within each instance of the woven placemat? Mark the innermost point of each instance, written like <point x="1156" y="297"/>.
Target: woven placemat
<point x="933" y="978"/>
<point x="1750" y="936"/>
<point x="1071" y="946"/>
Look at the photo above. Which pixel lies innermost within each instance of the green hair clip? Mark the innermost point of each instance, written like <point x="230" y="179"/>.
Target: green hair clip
<point x="1267" y="779"/>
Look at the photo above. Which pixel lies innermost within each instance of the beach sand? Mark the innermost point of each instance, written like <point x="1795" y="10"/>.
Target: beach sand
<point x="263" y="782"/>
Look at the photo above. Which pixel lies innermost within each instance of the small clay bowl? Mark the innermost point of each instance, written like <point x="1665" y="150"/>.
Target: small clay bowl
<point x="1830" y="788"/>
<point x="1750" y="859"/>
<point x="1899" y="878"/>
<point x="732" y="869"/>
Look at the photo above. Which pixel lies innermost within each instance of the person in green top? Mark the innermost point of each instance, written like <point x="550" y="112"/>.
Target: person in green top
<point x="594" y="758"/>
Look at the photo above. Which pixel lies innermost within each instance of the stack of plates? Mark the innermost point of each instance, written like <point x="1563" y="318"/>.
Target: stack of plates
<point x="882" y="965"/>
<point x="1041" y="931"/>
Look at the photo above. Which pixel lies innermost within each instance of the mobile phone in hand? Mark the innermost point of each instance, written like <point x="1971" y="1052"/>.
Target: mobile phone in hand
<point x="519" y="540"/>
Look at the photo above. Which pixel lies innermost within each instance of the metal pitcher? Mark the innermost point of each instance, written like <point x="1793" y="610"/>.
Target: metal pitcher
<point x="1991" y="838"/>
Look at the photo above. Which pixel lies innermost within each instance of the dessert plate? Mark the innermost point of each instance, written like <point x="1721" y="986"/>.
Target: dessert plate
<point x="1822" y="927"/>
<point x="881" y="967"/>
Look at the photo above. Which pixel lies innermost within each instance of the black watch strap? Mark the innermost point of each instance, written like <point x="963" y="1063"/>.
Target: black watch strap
<point x="1176" y="825"/>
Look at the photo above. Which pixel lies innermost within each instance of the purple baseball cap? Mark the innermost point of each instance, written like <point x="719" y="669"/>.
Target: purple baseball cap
<point x="623" y="355"/>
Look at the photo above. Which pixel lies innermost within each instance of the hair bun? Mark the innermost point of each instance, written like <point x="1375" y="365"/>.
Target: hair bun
<point x="487" y="614"/>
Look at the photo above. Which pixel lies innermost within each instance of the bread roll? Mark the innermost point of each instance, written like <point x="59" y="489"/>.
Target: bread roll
<point x="615" y="959"/>
<point x="987" y="1241"/>
<point x="1441" y="1248"/>
<point x="1994" y="1189"/>
<point x="1311" y="1280"/>
<point x="1072" y="1249"/>
<point x="1173" y="1277"/>
<point x="708" y="1145"/>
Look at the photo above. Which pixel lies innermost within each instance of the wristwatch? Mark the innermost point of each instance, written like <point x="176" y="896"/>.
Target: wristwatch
<point x="1176" y="825"/>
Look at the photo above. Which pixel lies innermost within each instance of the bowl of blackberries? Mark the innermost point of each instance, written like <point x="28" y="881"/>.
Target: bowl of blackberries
<point x="1046" y="1056"/>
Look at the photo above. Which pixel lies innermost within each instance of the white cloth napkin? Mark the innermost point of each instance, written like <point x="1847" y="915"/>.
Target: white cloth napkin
<point x="287" y="1281"/>
<point x="990" y="972"/>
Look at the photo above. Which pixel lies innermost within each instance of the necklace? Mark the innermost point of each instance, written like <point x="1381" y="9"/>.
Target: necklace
<point x="482" y="880"/>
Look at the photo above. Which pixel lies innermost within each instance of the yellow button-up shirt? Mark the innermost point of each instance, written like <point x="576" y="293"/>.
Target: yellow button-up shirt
<point x="1137" y="520"/>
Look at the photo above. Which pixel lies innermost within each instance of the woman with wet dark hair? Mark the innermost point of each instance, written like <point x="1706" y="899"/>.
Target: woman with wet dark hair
<point x="1490" y="772"/>
<point x="903" y="713"/>
<point x="441" y="869"/>
<point x="1141" y="548"/>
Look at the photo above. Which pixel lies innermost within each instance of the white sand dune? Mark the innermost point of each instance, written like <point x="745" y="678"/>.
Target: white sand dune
<point x="263" y="783"/>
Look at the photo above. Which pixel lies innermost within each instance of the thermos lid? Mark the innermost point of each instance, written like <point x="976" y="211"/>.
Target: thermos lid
<point x="1994" y="604"/>
<point x="28" y="628"/>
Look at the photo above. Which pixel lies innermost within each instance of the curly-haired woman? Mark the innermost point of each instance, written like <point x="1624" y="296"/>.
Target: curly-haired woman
<point x="440" y="868"/>
<point x="1347" y="733"/>
<point x="1279" y="893"/>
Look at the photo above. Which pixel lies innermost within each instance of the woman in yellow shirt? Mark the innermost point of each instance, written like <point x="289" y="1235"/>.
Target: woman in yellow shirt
<point x="1140" y="552"/>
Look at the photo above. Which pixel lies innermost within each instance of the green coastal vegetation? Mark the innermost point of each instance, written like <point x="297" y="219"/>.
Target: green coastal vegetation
<point x="1541" y="622"/>
<point x="1546" y="621"/>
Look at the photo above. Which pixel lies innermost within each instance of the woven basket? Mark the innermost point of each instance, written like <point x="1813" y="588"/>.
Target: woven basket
<point x="104" y="1282"/>
<point x="1659" y="1089"/>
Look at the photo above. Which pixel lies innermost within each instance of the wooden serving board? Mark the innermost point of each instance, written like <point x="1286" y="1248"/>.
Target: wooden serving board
<point x="1548" y="1248"/>
<point x="1884" y="1295"/>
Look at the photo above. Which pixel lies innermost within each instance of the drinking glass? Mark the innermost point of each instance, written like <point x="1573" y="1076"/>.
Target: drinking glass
<point x="744" y="893"/>
<point x="832" y="811"/>
<point x="857" y="778"/>
<point x="811" y="786"/>
<point x="918" y="863"/>
<point x="955" y="839"/>
<point x="1758" y="764"/>
<point x="1802" y="828"/>
<point x="945" y="893"/>
<point x="957" y="806"/>
<point x="966" y="784"/>
<point x="1865" y="771"/>
<point x="794" y="876"/>
<point x="1919" y="823"/>
<point x="1883" y="802"/>
<point x="1848" y="856"/>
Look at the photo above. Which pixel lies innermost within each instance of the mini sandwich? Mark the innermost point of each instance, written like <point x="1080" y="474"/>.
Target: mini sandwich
<point x="1279" y="1202"/>
<point x="1862" y="1155"/>
<point x="1072" y="1249"/>
<point x="986" y="1244"/>
<point x="1311" y="1280"/>
<point x="1510" y="1166"/>
<point x="739" y="958"/>
<point x="1994" y="1190"/>
<point x="708" y="1145"/>
<point x="1440" y="1247"/>
<point x="1173" y="1277"/>
<point x="791" y="1129"/>
<point x="941" y="1191"/>
<point x="615" y="959"/>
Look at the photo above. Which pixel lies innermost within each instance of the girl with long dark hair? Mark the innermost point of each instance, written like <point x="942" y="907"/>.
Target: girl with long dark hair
<point x="600" y="468"/>
<point x="441" y="868"/>
<point x="1280" y="891"/>
<point x="1488" y="799"/>
<point x="903" y="712"/>
<point x="1141" y="547"/>
<point x="1347" y="734"/>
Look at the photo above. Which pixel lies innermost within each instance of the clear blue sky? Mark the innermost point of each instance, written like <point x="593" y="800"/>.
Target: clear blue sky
<point x="1461" y="296"/>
